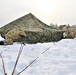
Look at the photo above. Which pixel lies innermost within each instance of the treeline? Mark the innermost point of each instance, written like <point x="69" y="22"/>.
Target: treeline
<point x="70" y="31"/>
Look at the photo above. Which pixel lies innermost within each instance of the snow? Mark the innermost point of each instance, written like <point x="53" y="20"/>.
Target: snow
<point x="1" y="38"/>
<point x="59" y="58"/>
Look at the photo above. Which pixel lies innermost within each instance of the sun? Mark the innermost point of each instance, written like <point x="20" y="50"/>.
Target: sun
<point x="45" y="6"/>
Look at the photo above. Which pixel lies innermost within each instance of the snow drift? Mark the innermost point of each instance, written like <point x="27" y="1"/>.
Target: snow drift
<point x="59" y="59"/>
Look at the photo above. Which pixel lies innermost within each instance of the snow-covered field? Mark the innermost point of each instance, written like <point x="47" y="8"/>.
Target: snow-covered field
<point x="59" y="59"/>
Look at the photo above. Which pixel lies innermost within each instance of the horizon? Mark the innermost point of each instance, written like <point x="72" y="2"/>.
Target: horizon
<point x="48" y="11"/>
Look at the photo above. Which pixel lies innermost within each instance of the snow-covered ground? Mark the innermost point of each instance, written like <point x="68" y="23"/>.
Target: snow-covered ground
<point x="59" y="59"/>
<point x="1" y="38"/>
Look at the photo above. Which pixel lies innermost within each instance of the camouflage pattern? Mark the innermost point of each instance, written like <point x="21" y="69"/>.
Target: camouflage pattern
<point x="32" y="29"/>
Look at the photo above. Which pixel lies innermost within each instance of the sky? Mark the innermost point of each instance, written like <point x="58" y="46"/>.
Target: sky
<point x="48" y="11"/>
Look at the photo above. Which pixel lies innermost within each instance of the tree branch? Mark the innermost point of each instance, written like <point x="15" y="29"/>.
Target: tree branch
<point x="3" y="64"/>
<point x="32" y="61"/>
<point x="20" y="51"/>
